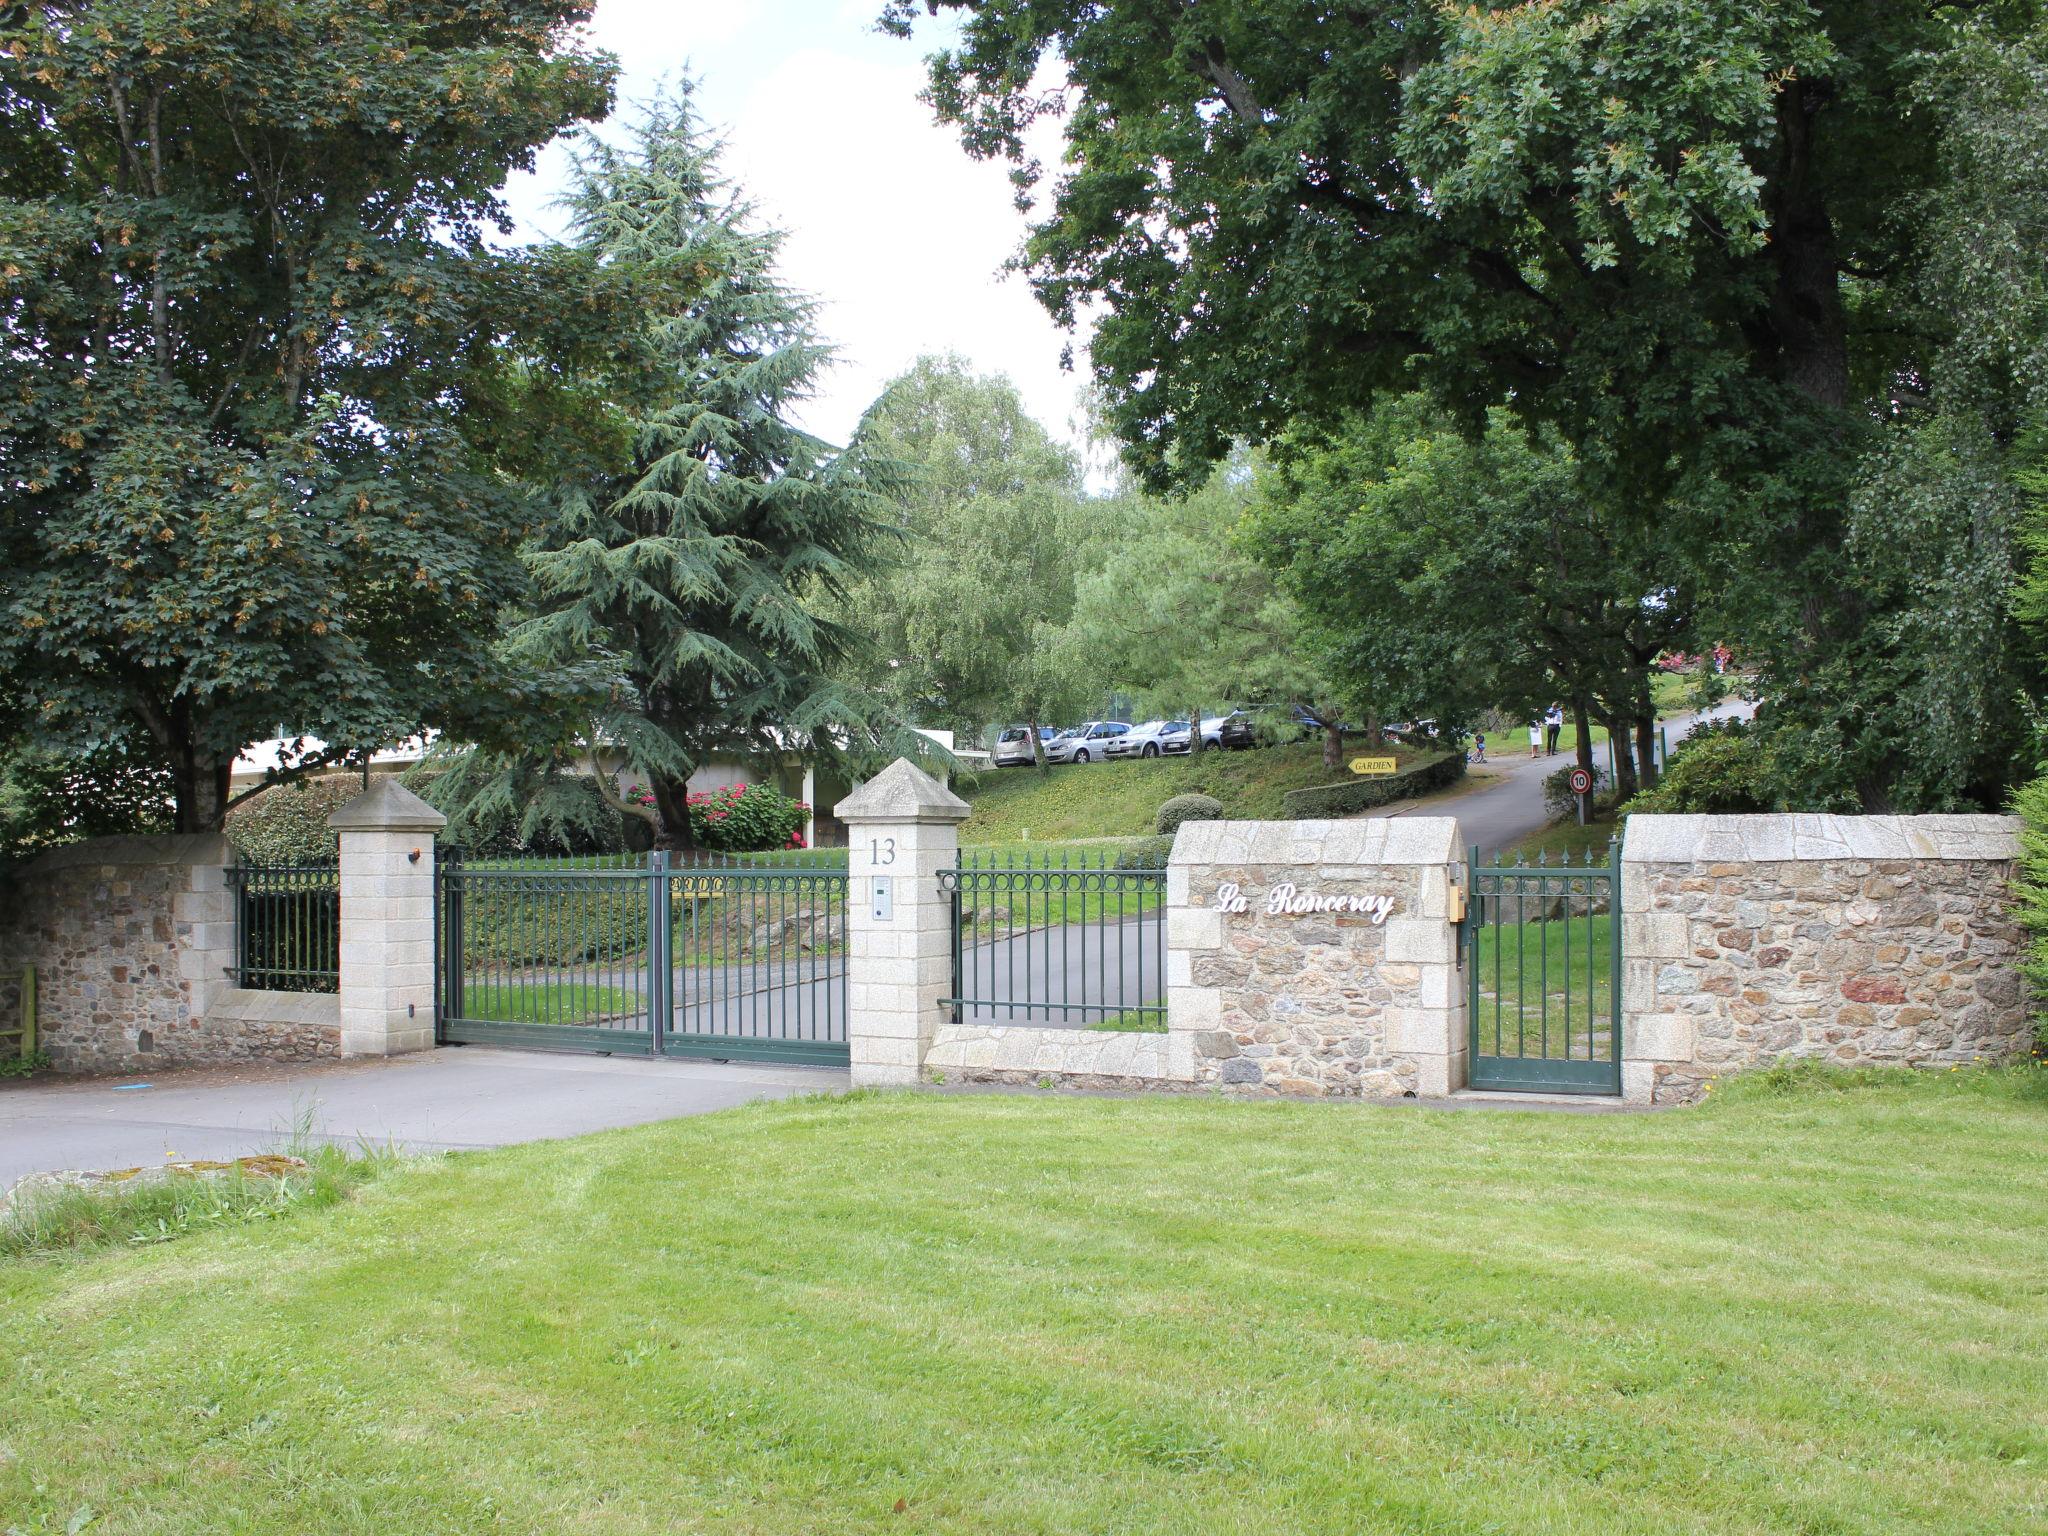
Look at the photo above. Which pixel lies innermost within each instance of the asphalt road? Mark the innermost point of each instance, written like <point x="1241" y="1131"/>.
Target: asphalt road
<point x="454" y="1098"/>
<point x="1511" y="808"/>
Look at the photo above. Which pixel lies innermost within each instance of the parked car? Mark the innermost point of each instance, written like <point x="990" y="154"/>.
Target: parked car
<point x="1154" y="738"/>
<point x="1240" y="728"/>
<point x="1085" y="743"/>
<point x="1013" y="747"/>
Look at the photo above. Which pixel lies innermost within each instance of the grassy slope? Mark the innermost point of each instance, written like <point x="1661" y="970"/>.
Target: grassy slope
<point x="1120" y="799"/>
<point x="1814" y="1313"/>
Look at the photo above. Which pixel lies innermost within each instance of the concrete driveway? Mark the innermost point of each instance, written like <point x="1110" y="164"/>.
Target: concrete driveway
<point x="456" y="1097"/>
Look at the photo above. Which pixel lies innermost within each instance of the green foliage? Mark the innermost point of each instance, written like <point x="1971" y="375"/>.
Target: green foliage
<point x="1179" y="613"/>
<point x="49" y="797"/>
<point x="1558" y="800"/>
<point x="970" y="619"/>
<point x="1186" y="808"/>
<point x="287" y="824"/>
<point x="1445" y="574"/>
<point x="1145" y="853"/>
<point x="694" y="535"/>
<point x="746" y="818"/>
<point x="2030" y="896"/>
<point x="256" y="350"/>
<point x="1423" y="777"/>
<point x="1771" y="274"/>
<point x="27" y="1065"/>
<point x="1723" y="768"/>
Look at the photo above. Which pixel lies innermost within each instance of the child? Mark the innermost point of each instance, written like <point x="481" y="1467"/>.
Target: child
<point x="1535" y="738"/>
<point x="1479" y="746"/>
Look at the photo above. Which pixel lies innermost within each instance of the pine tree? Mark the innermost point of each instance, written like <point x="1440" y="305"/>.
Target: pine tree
<point x="696" y="530"/>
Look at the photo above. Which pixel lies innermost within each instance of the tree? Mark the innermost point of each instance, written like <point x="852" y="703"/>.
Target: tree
<point x="251" y="340"/>
<point x="694" y="535"/>
<point x="1184" y="617"/>
<point x="1446" y="575"/>
<point x="1703" y="242"/>
<point x="969" y="626"/>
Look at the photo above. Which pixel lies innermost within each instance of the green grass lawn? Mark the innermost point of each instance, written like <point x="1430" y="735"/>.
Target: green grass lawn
<point x="1815" y="1310"/>
<point x="1547" y="988"/>
<point x="545" y="1001"/>
<point x="1119" y="799"/>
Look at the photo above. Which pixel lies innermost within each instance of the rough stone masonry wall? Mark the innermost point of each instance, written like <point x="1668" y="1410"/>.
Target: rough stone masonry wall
<point x="130" y="937"/>
<point x="1323" y="1004"/>
<point x="1853" y="939"/>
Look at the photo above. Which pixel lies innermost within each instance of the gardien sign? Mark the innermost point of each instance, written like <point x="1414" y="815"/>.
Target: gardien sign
<point x="1288" y="900"/>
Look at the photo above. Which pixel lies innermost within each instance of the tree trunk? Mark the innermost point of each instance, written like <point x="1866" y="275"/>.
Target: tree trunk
<point x="1582" y="721"/>
<point x="1195" y="743"/>
<point x="1624" y="757"/>
<point x="1037" y="746"/>
<point x="201" y="787"/>
<point x="1333" y="747"/>
<point x="1646" y="750"/>
<point x="672" y="832"/>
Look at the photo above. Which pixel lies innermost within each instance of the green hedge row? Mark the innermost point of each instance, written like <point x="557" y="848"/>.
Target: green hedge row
<point x="1324" y="801"/>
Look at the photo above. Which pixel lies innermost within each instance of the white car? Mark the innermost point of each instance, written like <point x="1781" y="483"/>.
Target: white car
<point x="1087" y="743"/>
<point x="1154" y="738"/>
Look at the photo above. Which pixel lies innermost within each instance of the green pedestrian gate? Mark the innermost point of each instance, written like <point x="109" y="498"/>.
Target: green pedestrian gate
<point x="726" y="959"/>
<point x="1543" y="960"/>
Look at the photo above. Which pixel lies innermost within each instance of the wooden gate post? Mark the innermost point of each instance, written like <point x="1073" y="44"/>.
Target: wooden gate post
<point x="902" y="829"/>
<point x="387" y="920"/>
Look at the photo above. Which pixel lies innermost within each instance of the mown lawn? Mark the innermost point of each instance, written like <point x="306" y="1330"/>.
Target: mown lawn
<point x="1819" y="1311"/>
<point x="1120" y="799"/>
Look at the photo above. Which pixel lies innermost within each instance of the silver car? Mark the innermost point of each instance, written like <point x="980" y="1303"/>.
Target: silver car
<point x="1155" y="738"/>
<point x="1013" y="748"/>
<point x="1087" y="743"/>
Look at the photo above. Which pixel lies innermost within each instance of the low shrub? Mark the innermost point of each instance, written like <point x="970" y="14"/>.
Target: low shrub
<point x="1146" y="852"/>
<point x="287" y="823"/>
<point x="1559" y="803"/>
<point x="746" y="818"/>
<point x="1186" y="808"/>
<point x="1325" y="801"/>
<point x="1720" y="769"/>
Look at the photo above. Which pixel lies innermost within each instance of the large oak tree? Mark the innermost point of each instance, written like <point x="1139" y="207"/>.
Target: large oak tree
<point x="250" y="360"/>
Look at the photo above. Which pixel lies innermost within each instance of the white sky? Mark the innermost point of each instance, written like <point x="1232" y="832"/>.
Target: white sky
<point x="890" y="225"/>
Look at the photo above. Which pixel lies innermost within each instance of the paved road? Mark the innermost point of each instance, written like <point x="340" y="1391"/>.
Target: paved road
<point x="457" y="1097"/>
<point x="1511" y="808"/>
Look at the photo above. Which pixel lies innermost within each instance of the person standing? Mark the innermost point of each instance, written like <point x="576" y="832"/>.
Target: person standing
<point x="1553" y="727"/>
<point x="1535" y="738"/>
<point x="1479" y="746"/>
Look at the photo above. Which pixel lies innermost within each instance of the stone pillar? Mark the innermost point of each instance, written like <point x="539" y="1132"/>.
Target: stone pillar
<point x="387" y="920"/>
<point x="902" y="828"/>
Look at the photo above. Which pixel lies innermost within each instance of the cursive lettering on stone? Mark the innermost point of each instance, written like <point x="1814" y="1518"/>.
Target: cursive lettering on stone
<point x="1288" y="900"/>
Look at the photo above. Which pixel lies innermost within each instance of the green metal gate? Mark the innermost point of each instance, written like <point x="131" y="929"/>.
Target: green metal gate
<point x="1543" y="957"/>
<point x="725" y="959"/>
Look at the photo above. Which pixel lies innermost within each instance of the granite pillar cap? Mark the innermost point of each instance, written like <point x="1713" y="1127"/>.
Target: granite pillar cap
<point x="387" y="806"/>
<point x="903" y="792"/>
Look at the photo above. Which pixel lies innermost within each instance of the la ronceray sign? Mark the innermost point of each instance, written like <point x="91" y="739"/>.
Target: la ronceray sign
<point x="1288" y="900"/>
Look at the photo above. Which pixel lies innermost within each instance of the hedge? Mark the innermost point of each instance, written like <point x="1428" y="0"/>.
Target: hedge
<point x="1324" y="801"/>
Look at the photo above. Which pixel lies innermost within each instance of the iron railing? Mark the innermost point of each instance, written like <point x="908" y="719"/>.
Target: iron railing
<point x="1059" y="939"/>
<point x="287" y="926"/>
<point x="718" y="955"/>
<point x="1543" y="956"/>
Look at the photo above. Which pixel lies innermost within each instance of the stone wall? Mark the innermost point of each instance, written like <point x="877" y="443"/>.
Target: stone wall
<point x="131" y="938"/>
<point x="1850" y="939"/>
<point x="1317" y="958"/>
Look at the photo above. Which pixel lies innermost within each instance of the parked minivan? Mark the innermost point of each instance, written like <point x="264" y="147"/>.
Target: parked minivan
<point x="1086" y="743"/>
<point x="1013" y="747"/>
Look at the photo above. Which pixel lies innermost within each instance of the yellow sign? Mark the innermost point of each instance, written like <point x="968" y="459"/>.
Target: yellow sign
<point x="1374" y="765"/>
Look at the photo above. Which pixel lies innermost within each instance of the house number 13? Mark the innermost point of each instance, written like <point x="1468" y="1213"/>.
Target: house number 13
<point x="882" y="850"/>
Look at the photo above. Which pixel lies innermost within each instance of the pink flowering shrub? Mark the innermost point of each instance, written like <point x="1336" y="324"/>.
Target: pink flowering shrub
<point x="746" y="818"/>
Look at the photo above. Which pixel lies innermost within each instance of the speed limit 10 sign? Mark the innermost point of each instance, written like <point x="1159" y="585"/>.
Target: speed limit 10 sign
<point x="1581" y="781"/>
